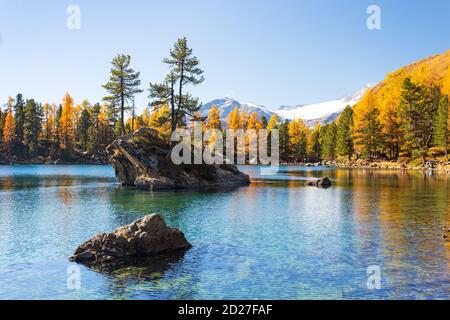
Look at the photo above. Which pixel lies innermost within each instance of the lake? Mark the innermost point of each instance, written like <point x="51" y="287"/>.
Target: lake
<point x="276" y="239"/>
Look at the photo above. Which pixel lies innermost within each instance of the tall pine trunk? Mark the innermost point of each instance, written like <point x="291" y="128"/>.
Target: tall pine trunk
<point x="172" y="105"/>
<point x="122" y="108"/>
<point x="122" y="115"/>
<point x="180" y="98"/>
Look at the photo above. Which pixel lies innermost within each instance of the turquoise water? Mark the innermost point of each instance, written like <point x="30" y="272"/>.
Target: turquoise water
<point x="273" y="240"/>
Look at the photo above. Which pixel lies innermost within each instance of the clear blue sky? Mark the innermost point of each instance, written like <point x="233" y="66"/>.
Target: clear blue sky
<point x="267" y="52"/>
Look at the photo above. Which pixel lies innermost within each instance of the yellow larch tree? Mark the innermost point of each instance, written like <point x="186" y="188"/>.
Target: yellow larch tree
<point x="160" y="121"/>
<point x="253" y="125"/>
<point x="253" y="122"/>
<point x="67" y="122"/>
<point x="446" y="83"/>
<point x="243" y="117"/>
<point x="360" y="111"/>
<point x="424" y="75"/>
<point x="298" y="139"/>
<point x="213" y="121"/>
<point x="212" y="125"/>
<point x="103" y="125"/>
<point x="274" y="122"/>
<point x="48" y="121"/>
<point x="52" y="121"/>
<point x="131" y="125"/>
<point x="9" y="130"/>
<point x="234" y="119"/>
<point x="145" y="117"/>
<point x="388" y="100"/>
<point x="77" y="109"/>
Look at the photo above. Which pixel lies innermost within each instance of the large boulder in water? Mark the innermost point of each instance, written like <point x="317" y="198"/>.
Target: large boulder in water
<point x="324" y="182"/>
<point x="143" y="238"/>
<point x="142" y="160"/>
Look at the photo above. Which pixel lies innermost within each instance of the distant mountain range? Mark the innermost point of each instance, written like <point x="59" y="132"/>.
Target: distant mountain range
<point x="323" y="113"/>
<point x="226" y="106"/>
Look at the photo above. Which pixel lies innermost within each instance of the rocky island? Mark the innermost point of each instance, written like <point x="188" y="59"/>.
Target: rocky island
<point x="142" y="160"/>
<point x="144" y="238"/>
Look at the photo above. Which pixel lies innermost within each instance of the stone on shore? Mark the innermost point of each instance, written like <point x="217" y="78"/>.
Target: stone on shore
<point x="324" y="182"/>
<point x="146" y="237"/>
<point x="142" y="160"/>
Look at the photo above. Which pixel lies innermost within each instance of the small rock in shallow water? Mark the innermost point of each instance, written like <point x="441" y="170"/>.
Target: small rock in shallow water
<point x="143" y="238"/>
<point x="324" y="182"/>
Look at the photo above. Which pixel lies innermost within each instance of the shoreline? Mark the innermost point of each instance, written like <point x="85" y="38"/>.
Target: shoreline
<point x="371" y="165"/>
<point x="32" y="163"/>
<point x="374" y="165"/>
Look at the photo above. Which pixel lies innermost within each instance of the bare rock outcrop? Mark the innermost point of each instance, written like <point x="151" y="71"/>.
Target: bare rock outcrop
<point x="146" y="237"/>
<point x="142" y="160"/>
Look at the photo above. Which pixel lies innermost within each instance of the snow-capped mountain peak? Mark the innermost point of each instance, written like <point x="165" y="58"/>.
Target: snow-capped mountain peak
<point x="227" y="105"/>
<point x="323" y="112"/>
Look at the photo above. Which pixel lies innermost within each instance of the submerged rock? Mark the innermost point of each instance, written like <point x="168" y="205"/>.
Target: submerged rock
<point x="142" y="160"/>
<point x="143" y="238"/>
<point x="140" y="268"/>
<point x="324" y="182"/>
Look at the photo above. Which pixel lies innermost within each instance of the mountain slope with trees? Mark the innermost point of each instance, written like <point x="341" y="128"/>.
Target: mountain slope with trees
<point x="405" y="115"/>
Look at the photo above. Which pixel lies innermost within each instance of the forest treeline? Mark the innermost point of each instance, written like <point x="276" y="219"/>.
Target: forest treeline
<point x="403" y="119"/>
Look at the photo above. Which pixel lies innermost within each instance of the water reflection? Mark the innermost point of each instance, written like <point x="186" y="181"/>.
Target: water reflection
<point x="276" y="239"/>
<point x="140" y="268"/>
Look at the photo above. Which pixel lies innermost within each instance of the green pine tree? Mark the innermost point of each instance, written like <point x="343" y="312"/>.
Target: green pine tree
<point x="344" y="143"/>
<point x="302" y="147"/>
<point x="123" y="85"/>
<point x="58" y="124"/>
<point x="314" y="145"/>
<point x="19" y="117"/>
<point x="328" y="137"/>
<point x="264" y="122"/>
<point x="284" y="141"/>
<point x="93" y="132"/>
<point x="32" y="126"/>
<point x="184" y="71"/>
<point x="418" y="107"/>
<point x="441" y="133"/>
<point x="84" y="124"/>
<point x="371" y="134"/>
